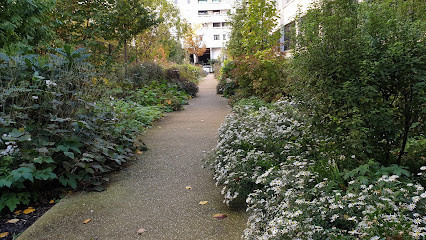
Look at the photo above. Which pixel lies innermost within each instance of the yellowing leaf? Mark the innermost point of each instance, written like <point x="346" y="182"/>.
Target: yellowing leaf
<point x="15" y="220"/>
<point x="346" y="216"/>
<point x="52" y="201"/>
<point x="141" y="230"/>
<point x="3" y="235"/>
<point x="29" y="210"/>
<point x="18" y="212"/>
<point x="219" y="216"/>
<point x="169" y="102"/>
<point x="188" y="187"/>
<point x="138" y="152"/>
<point x="87" y="221"/>
<point x="203" y="202"/>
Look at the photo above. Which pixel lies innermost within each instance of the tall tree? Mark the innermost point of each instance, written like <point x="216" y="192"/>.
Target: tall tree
<point x="254" y="27"/>
<point x="124" y="20"/>
<point x="25" y="23"/>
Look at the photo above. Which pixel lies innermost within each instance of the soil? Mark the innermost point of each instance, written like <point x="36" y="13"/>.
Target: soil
<point x="25" y="220"/>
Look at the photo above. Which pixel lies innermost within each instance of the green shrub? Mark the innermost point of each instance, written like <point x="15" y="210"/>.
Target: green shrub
<point x="174" y="76"/>
<point x="190" y="72"/>
<point x="164" y="94"/>
<point x="262" y="74"/>
<point x="51" y="133"/>
<point x="145" y="73"/>
<point x="359" y="67"/>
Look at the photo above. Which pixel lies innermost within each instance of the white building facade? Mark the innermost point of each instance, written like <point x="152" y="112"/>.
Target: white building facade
<point x="209" y="20"/>
<point x="287" y="11"/>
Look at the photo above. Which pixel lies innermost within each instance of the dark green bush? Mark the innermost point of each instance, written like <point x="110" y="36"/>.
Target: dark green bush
<point x="144" y="73"/>
<point x="51" y="132"/>
<point x="359" y="67"/>
<point x="174" y="76"/>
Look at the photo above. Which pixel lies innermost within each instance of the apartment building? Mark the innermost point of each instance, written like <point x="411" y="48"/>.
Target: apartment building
<point x="209" y="20"/>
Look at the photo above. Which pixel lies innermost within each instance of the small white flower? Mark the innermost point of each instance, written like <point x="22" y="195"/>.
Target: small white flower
<point x="35" y="97"/>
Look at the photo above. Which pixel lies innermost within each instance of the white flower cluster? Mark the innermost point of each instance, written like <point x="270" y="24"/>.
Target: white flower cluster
<point x="302" y="208"/>
<point x="264" y="154"/>
<point x="11" y="148"/>
<point x="251" y="140"/>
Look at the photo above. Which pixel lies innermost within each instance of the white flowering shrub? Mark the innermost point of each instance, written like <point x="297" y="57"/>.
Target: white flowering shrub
<point x="256" y="137"/>
<point x="295" y="205"/>
<point x="267" y="155"/>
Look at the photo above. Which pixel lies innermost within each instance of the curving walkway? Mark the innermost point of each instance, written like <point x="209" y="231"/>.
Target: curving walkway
<point x="151" y="193"/>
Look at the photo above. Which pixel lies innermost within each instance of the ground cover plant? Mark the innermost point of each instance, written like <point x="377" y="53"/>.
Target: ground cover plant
<point x="268" y="155"/>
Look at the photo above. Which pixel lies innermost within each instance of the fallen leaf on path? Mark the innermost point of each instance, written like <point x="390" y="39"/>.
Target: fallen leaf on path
<point x="18" y="212"/>
<point x="141" y="230"/>
<point x="203" y="202"/>
<point x="3" y="235"/>
<point x="15" y="220"/>
<point x="52" y="201"/>
<point x="138" y="152"/>
<point x="188" y="187"/>
<point x="219" y="216"/>
<point x="87" y="221"/>
<point x="29" y="210"/>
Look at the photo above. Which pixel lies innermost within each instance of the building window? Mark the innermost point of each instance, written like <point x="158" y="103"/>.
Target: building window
<point x="287" y="33"/>
<point x="216" y="1"/>
<point x="216" y="37"/>
<point x="205" y="25"/>
<point x="216" y="12"/>
<point x="203" y="13"/>
<point x="224" y="24"/>
<point x="202" y="1"/>
<point x="224" y="37"/>
<point x="216" y="24"/>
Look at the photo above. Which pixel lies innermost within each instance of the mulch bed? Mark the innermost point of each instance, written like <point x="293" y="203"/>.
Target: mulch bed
<point x="25" y="220"/>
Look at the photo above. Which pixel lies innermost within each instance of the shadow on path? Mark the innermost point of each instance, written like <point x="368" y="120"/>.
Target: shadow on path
<point x="151" y="192"/>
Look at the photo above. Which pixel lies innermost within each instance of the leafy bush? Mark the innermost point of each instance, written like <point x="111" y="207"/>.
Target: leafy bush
<point x="359" y="67"/>
<point x="145" y="73"/>
<point x="262" y="74"/>
<point x="164" y="94"/>
<point x="131" y="116"/>
<point x="173" y="75"/>
<point x="190" y="72"/>
<point x="53" y="133"/>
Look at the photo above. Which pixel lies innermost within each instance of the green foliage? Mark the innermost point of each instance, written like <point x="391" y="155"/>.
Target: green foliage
<point x="164" y="94"/>
<point x="262" y="74"/>
<point x="60" y="125"/>
<point x="190" y="72"/>
<point x="253" y="28"/>
<point x="173" y="75"/>
<point x="144" y="73"/>
<point x="25" y="23"/>
<point x="360" y="70"/>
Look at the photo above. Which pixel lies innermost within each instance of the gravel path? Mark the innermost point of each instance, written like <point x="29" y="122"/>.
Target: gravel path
<point x="151" y="193"/>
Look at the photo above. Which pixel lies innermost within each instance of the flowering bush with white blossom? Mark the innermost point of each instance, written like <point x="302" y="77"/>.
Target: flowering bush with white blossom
<point x="267" y="155"/>
<point x="256" y="137"/>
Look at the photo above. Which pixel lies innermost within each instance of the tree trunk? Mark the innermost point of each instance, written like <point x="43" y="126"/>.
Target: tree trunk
<point x="125" y="57"/>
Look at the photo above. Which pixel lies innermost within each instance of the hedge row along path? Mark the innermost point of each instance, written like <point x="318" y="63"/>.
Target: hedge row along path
<point x="151" y="195"/>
